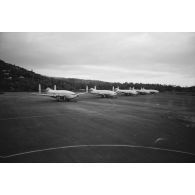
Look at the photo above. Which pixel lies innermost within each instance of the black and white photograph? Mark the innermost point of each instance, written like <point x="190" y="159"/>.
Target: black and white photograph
<point x="97" y="97"/>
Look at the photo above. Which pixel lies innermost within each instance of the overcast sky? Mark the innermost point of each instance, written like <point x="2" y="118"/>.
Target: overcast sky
<point x="166" y="58"/>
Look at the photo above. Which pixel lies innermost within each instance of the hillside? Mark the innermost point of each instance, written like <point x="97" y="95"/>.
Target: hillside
<point x="15" y="78"/>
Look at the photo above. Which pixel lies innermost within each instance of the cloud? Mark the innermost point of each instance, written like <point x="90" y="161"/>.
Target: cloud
<point x="132" y="57"/>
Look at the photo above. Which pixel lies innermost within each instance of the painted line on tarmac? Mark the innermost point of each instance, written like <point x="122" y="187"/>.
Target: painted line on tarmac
<point x="96" y="145"/>
<point x="35" y="116"/>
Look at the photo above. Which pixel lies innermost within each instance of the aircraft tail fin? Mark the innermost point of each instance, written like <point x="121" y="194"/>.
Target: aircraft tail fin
<point x="117" y="89"/>
<point x="48" y="89"/>
<point x="91" y="89"/>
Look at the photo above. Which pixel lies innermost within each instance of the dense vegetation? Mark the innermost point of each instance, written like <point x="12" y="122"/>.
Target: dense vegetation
<point x="15" y="78"/>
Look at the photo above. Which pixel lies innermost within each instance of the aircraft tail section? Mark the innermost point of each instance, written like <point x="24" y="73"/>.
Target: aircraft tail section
<point x="91" y="89"/>
<point x="48" y="89"/>
<point x="117" y="89"/>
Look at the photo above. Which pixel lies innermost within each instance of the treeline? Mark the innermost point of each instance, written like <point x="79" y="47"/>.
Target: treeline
<point x="15" y="78"/>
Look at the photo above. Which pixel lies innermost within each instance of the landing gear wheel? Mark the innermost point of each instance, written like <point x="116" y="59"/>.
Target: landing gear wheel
<point x="58" y="98"/>
<point x="64" y="99"/>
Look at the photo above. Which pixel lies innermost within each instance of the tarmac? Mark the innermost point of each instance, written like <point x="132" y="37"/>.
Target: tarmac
<point x="145" y="128"/>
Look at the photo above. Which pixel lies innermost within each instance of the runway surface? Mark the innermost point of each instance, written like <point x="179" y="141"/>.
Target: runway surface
<point x="148" y="128"/>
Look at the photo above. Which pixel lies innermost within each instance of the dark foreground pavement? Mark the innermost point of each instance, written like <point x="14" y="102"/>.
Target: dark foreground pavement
<point x="30" y="124"/>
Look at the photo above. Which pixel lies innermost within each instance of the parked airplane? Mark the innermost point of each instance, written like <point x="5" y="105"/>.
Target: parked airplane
<point x="126" y="91"/>
<point x="143" y="91"/>
<point x="153" y="91"/>
<point x="103" y="93"/>
<point x="60" y="95"/>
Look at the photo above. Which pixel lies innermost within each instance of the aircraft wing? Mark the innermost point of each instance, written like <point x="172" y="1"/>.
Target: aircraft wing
<point x="122" y="92"/>
<point x="43" y="94"/>
<point x="98" y="94"/>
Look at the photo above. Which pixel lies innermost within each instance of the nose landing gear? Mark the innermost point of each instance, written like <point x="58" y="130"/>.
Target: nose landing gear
<point x="61" y="99"/>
